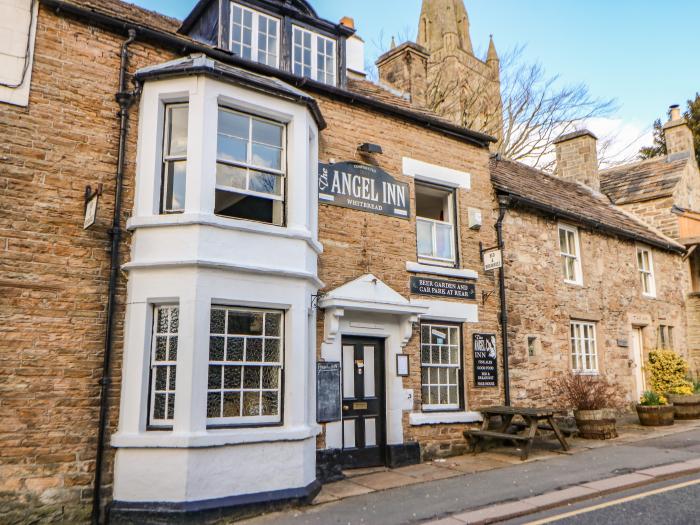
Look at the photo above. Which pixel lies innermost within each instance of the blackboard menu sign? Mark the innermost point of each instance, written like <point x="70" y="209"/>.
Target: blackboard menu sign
<point x="485" y="361"/>
<point x="442" y="288"/>
<point x="328" y="400"/>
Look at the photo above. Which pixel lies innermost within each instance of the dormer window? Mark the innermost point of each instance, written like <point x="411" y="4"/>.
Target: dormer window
<point x="313" y="56"/>
<point x="254" y="36"/>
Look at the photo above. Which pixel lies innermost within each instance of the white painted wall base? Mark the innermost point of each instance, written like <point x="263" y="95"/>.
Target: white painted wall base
<point x="184" y="475"/>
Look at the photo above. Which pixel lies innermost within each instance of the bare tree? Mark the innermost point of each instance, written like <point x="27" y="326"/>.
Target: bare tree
<point x="536" y="107"/>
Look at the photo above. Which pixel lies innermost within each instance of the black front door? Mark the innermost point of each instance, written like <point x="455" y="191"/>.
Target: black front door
<point x="364" y="436"/>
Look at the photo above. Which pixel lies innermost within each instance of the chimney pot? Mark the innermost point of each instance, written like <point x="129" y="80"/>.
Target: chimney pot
<point x="348" y="21"/>
<point x="675" y="112"/>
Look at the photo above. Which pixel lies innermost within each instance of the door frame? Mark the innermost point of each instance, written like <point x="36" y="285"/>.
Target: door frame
<point x="350" y="458"/>
<point x="637" y="336"/>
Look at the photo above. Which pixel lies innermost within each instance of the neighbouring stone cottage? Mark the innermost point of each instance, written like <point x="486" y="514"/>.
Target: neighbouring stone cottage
<point x="232" y="265"/>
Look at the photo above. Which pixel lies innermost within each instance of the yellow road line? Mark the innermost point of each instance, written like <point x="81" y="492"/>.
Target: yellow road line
<point x="614" y="502"/>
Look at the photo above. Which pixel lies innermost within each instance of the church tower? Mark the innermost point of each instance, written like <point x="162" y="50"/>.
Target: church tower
<point x="442" y="73"/>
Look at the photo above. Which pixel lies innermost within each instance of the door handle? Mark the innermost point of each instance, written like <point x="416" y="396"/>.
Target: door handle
<point x="346" y="407"/>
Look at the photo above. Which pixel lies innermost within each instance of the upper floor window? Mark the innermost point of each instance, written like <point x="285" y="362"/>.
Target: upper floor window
<point x="250" y="173"/>
<point x="174" y="158"/>
<point x="245" y="366"/>
<point x="584" y="351"/>
<point x="569" y="248"/>
<point x="254" y="36"/>
<point x="646" y="271"/>
<point x="435" y="225"/>
<point x="313" y="56"/>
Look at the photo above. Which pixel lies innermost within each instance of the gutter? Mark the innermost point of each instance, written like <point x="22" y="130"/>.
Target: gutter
<point x="596" y="225"/>
<point x="125" y="99"/>
<point x="184" y="46"/>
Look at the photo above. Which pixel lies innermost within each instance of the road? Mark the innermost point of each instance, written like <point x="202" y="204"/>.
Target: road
<point x="672" y="502"/>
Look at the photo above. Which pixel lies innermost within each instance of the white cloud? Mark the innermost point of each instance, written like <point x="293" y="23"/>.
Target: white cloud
<point x="619" y="141"/>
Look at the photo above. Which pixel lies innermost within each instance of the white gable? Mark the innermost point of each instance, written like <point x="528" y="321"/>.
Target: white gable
<point x="368" y="293"/>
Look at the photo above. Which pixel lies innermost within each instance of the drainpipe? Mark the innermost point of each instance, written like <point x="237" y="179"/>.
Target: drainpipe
<point x="503" y="203"/>
<point x="125" y="99"/>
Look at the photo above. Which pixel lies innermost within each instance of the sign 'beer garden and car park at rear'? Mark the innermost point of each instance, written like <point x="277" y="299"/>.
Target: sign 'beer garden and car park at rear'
<point x="363" y="187"/>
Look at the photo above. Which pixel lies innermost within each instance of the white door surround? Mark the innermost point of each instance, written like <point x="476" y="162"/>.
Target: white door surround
<point x="637" y="348"/>
<point x="367" y="307"/>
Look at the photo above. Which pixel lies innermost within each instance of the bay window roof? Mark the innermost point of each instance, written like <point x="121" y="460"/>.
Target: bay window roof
<point x="200" y="64"/>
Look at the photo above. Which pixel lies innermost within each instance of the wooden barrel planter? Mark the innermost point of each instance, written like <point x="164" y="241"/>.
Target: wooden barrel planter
<point x="659" y="416"/>
<point x="596" y="424"/>
<point x="686" y="407"/>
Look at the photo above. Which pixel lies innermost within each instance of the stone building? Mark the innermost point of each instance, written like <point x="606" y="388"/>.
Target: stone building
<point x="233" y="266"/>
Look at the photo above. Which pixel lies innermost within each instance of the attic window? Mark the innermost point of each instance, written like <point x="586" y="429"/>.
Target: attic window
<point x="313" y="56"/>
<point x="254" y="36"/>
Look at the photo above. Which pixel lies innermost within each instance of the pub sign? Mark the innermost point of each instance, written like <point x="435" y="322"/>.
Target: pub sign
<point x="363" y="187"/>
<point x="485" y="361"/>
<point x="442" y="288"/>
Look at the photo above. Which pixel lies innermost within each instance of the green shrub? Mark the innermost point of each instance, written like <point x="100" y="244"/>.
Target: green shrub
<point x="668" y="373"/>
<point x="652" y="399"/>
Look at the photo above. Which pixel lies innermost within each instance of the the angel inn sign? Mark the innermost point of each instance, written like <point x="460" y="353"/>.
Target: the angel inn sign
<point x="363" y="187"/>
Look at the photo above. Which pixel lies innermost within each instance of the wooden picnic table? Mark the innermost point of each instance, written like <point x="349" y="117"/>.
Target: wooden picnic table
<point x="535" y="419"/>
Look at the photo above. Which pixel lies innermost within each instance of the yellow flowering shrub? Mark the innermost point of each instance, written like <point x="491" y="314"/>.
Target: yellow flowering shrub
<point x="668" y="373"/>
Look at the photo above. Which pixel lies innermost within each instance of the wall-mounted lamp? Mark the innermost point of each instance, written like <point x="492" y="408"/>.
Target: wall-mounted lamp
<point x="370" y="148"/>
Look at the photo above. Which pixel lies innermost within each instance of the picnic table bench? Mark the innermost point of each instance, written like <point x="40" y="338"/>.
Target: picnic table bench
<point x="534" y="419"/>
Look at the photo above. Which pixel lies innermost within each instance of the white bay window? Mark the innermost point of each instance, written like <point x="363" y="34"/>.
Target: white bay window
<point x="174" y="158"/>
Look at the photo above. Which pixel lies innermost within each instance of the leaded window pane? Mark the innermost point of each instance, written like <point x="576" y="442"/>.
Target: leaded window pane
<point x="245" y="388"/>
<point x="163" y="365"/>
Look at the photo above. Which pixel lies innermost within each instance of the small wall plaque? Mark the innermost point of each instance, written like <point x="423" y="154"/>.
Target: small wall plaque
<point x="402" y="365"/>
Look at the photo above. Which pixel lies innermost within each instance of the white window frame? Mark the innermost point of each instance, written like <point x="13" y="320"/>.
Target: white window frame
<point x="583" y="340"/>
<point x="168" y="159"/>
<point x="248" y="165"/>
<point x="169" y="364"/>
<point x="315" y="38"/>
<point x="565" y="255"/>
<point x="255" y="33"/>
<point x="449" y="328"/>
<point x="434" y="224"/>
<point x="646" y="275"/>
<point x="249" y="420"/>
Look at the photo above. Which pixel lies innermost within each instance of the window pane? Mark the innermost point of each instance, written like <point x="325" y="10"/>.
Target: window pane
<point x="267" y="133"/>
<point x="251" y="403"/>
<point x="267" y="157"/>
<point x="444" y="241"/>
<point x="234" y="124"/>
<point x="272" y="350"/>
<point x="218" y="322"/>
<point x="175" y="184"/>
<point x="216" y="349"/>
<point x="273" y="324"/>
<point x="425" y="238"/>
<point x="163" y="376"/>
<point x="254" y="349"/>
<point x="270" y="403"/>
<point x="232" y="149"/>
<point x="214" y="404"/>
<point x="232" y="376"/>
<point x="177" y="131"/>
<point x="231" y="176"/>
<point x="245" y="323"/>
<point x="234" y="349"/>
<point x="265" y="183"/>
<point x="232" y="404"/>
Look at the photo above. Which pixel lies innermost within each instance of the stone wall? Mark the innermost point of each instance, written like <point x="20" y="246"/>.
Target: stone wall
<point x="53" y="274"/>
<point x="541" y="305"/>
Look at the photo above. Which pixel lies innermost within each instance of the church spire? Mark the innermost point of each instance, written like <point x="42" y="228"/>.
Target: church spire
<point x="492" y="55"/>
<point x="444" y="23"/>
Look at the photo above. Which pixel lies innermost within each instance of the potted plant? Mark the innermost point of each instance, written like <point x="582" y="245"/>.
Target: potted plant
<point x="593" y="399"/>
<point x="654" y="410"/>
<point x="668" y="374"/>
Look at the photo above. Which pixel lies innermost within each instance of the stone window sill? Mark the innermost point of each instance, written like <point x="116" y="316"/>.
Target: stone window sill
<point x="443" y="418"/>
<point x="213" y="438"/>
<point x="415" y="267"/>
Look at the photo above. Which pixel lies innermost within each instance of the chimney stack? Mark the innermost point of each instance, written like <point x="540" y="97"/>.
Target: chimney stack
<point x="679" y="137"/>
<point x="354" y="52"/>
<point x="577" y="158"/>
<point x="405" y="68"/>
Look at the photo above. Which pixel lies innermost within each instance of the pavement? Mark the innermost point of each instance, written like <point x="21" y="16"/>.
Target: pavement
<point x="495" y="486"/>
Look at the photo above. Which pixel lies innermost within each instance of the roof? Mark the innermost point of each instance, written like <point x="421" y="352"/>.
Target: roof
<point x="151" y="26"/>
<point x="646" y="180"/>
<point x="573" y="201"/>
<point x="200" y="64"/>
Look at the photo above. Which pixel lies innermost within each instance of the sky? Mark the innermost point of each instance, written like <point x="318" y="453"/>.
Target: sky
<point x="642" y="53"/>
